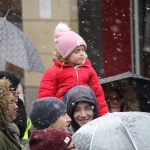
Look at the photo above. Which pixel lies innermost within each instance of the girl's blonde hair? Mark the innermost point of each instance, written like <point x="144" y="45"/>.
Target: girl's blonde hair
<point x="59" y="57"/>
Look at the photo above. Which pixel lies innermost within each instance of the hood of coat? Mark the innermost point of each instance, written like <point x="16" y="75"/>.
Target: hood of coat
<point x="5" y="109"/>
<point x="12" y="77"/>
<point x="127" y="93"/>
<point x="80" y="94"/>
<point x="5" y="114"/>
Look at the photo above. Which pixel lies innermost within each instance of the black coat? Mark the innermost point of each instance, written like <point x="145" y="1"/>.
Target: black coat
<point x="21" y="119"/>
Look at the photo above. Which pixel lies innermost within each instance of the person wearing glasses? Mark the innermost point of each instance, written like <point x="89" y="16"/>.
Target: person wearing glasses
<point x="116" y="100"/>
<point x="82" y="107"/>
<point x="120" y="96"/>
<point x="8" y="111"/>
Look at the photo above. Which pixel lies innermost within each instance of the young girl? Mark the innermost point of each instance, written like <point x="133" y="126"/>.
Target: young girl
<point x="71" y="67"/>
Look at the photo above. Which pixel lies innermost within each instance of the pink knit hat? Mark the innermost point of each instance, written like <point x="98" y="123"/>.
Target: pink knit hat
<point x="49" y="139"/>
<point x="66" y="40"/>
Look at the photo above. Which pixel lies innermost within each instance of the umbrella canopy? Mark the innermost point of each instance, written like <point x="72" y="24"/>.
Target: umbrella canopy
<point x="115" y="131"/>
<point x="18" y="49"/>
<point x="140" y="84"/>
<point x="127" y="75"/>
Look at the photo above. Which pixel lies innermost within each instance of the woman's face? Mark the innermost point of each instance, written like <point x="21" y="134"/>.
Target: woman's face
<point x="83" y="113"/>
<point x="115" y="100"/>
<point x="13" y="106"/>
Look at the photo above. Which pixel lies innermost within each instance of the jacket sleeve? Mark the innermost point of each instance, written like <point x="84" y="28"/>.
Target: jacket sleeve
<point x="97" y="88"/>
<point x="48" y="84"/>
<point x="6" y="143"/>
<point x="3" y="144"/>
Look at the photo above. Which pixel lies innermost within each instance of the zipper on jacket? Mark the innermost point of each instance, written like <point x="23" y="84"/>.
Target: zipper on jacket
<point x="76" y="69"/>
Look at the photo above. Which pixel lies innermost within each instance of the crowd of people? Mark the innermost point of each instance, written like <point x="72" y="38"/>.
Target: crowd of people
<point x="70" y="95"/>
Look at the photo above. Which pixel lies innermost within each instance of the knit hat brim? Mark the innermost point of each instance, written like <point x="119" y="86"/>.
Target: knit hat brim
<point x="49" y="138"/>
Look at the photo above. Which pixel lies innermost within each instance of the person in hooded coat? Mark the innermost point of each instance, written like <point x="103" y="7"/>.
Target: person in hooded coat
<point x="8" y="109"/>
<point x="82" y="106"/>
<point x="121" y="95"/>
<point x="21" y="119"/>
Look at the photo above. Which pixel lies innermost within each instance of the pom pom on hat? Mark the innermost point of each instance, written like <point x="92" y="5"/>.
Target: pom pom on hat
<point x="62" y="27"/>
<point x="66" y="40"/>
<point x="49" y="138"/>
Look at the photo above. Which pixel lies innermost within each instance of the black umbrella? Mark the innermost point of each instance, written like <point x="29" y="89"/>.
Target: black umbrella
<point x="18" y="49"/>
<point x="140" y="84"/>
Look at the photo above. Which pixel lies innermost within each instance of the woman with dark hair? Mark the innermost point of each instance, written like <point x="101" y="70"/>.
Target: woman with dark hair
<point x="121" y="96"/>
<point x="81" y="106"/>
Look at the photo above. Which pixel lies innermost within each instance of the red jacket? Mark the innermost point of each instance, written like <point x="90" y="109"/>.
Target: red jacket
<point x="59" y="78"/>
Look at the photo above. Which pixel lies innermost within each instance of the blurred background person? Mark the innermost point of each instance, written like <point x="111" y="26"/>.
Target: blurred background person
<point x="121" y="95"/>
